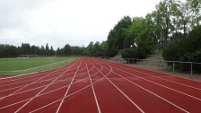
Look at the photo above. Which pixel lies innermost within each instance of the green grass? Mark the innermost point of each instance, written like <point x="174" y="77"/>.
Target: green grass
<point x="16" y="66"/>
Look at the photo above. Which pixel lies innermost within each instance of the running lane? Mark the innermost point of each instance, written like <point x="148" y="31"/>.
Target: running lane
<point x="91" y="85"/>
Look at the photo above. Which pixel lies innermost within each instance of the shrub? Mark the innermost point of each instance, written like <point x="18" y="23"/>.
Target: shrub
<point x="136" y="53"/>
<point x="111" y="52"/>
<point x="186" y="50"/>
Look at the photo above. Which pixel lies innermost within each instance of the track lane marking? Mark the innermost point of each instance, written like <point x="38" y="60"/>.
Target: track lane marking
<point x="154" y="94"/>
<point x="31" y="76"/>
<point x="42" y="90"/>
<point x="74" y="93"/>
<point x="94" y="93"/>
<point x="11" y="94"/>
<point x="44" y="93"/>
<point x="151" y="92"/>
<point x="127" y="67"/>
<point x="69" y="86"/>
<point x="121" y="90"/>
<point x="169" y="80"/>
<point x="162" y="85"/>
<point x="37" y="87"/>
<point x="155" y="82"/>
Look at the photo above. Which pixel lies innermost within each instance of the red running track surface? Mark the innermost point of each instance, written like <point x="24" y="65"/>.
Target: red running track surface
<point x="97" y="86"/>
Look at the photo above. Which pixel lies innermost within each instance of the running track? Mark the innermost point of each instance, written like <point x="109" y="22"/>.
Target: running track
<point x="96" y="86"/>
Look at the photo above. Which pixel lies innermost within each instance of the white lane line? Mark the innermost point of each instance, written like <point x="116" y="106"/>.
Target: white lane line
<point x="27" y="85"/>
<point x="74" y="93"/>
<point x="154" y="94"/>
<point x="94" y="93"/>
<point x="37" y="82"/>
<point x="162" y="85"/>
<point x="68" y="88"/>
<point x="150" y="92"/>
<point x="122" y="91"/>
<point x="178" y="83"/>
<point x="21" y="92"/>
<point x="165" y="79"/>
<point x="158" y="83"/>
<point x="158" y="77"/>
<point x="58" y="100"/>
<point x="46" y="92"/>
<point x="8" y="89"/>
<point x="41" y="91"/>
<point x="16" y="82"/>
<point x="21" y="79"/>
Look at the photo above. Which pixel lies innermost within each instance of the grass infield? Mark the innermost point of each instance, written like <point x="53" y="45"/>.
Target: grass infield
<point x="17" y="66"/>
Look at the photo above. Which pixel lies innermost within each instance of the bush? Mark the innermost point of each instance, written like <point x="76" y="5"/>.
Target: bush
<point x="186" y="50"/>
<point x="137" y="53"/>
<point x="111" y="52"/>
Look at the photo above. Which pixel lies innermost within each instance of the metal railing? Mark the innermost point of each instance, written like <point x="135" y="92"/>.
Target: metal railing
<point x="189" y="69"/>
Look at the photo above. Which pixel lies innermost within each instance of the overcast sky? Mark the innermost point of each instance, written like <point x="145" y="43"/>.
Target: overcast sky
<point x="58" y="22"/>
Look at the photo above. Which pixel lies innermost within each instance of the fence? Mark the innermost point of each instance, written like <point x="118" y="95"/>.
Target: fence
<point x="190" y="69"/>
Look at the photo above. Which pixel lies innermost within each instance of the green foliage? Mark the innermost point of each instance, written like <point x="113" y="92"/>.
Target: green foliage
<point x="143" y="44"/>
<point x="187" y="50"/>
<point x="100" y="50"/>
<point x="138" y="53"/>
<point x="111" y="52"/>
<point x="67" y="50"/>
<point x="26" y="49"/>
<point x="78" y="51"/>
<point x="8" y="51"/>
<point x="116" y="37"/>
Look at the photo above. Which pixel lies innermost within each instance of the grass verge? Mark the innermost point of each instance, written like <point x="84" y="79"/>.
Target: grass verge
<point x="16" y="66"/>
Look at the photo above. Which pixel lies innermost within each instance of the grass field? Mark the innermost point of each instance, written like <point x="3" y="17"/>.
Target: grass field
<point x="16" y="66"/>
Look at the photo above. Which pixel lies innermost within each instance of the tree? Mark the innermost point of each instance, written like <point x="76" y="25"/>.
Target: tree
<point x="34" y="50"/>
<point x="143" y="39"/>
<point x="8" y="51"/>
<point x="195" y="6"/>
<point x="97" y="49"/>
<point x="78" y="51"/>
<point x="90" y="51"/>
<point x="185" y="17"/>
<point x="117" y="35"/>
<point x="187" y="50"/>
<point x="42" y="50"/>
<point x="104" y="48"/>
<point x="51" y="51"/>
<point x="59" y="52"/>
<point x="47" y="49"/>
<point x="25" y="49"/>
<point x="67" y="50"/>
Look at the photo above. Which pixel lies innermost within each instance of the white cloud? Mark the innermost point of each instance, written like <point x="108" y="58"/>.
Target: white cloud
<point x="59" y="22"/>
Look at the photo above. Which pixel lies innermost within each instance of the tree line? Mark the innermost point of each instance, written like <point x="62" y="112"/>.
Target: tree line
<point x="135" y="37"/>
<point x="171" y="21"/>
<point x="27" y="49"/>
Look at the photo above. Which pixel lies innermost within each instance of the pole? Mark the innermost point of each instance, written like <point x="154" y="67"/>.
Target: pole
<point x="173" y="67"/>
<point x="191" y="70"/>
